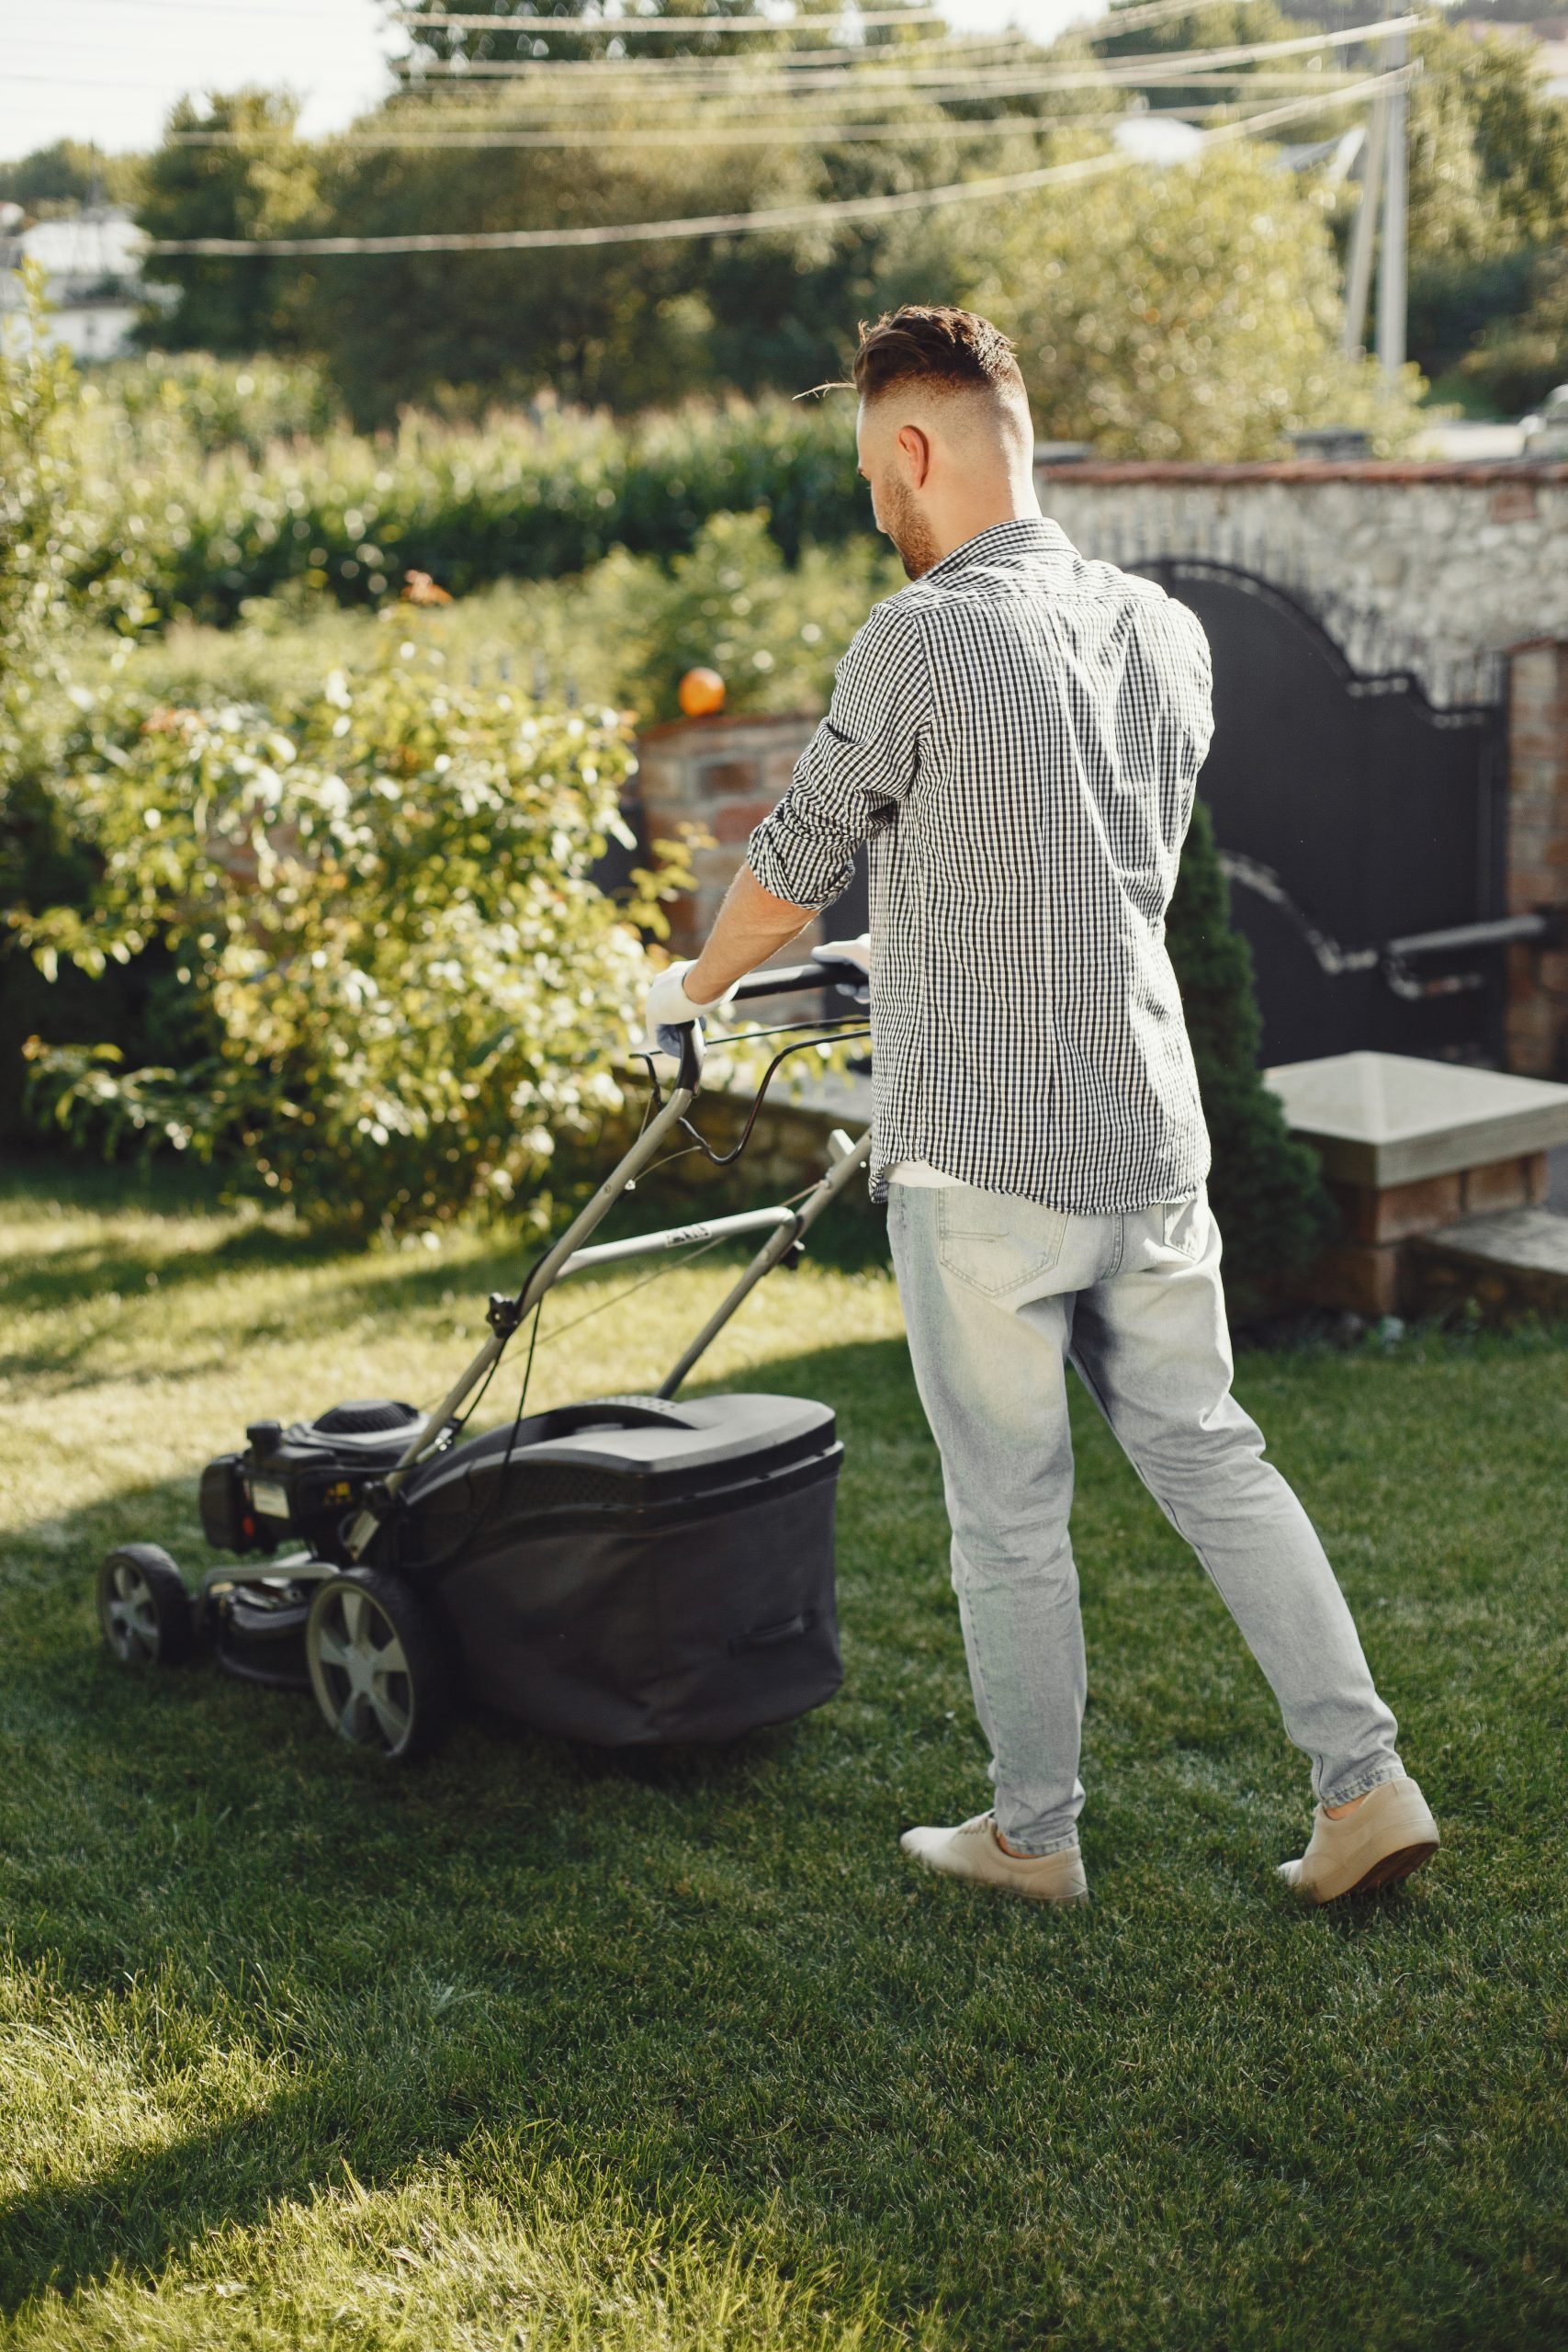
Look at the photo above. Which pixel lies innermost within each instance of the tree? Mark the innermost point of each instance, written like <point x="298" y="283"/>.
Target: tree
<point x="262" y="186"/>
<point x="1187" y="312"/>
<point x="1488" y="189"/>
<point x="630" y="326"/>
<point x="1266" y="1189"/>
<point x="62" y="177"/>
<point x="1519" y="359"/>
<point x="1214" y="24"/>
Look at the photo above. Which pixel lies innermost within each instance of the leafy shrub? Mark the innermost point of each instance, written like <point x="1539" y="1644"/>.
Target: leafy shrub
<point x="1519" y="360"/>
<point x="519" y="498"/>
<point x="46" y="529"/>
<point x="774" y="631"/>
<point x="401" y="989"/>
<point x="626" y="629"/>
<point x="190" y="399"/>
<point x="1267" y="1189"/>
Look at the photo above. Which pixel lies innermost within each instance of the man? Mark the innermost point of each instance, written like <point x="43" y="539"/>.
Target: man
<point x="1017" y="736"/>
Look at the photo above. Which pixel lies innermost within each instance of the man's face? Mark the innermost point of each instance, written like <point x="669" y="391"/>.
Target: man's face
<point x="894" y="503"/>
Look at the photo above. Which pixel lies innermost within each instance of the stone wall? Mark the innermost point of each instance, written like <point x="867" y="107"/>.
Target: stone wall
<point x="1441" y="570"/>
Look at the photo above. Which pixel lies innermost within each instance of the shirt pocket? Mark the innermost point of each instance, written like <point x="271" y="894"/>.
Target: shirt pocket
<point x="994" y="1243"/>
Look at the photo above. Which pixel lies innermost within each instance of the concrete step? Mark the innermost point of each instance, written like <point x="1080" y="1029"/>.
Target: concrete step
<point x="1511" y="1262"/>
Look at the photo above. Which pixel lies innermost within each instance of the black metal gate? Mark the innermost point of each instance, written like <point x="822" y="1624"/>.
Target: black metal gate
<point x="1352" y="813"/>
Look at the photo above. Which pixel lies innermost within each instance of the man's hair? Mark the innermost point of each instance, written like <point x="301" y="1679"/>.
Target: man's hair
<point x="934" y="345"/>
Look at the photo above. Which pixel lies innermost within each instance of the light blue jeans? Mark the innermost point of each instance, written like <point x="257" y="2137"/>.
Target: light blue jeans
<point x="999" y="1296"/>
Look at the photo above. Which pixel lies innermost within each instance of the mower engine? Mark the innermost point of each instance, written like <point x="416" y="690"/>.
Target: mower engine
<point x="303" y="1485"/>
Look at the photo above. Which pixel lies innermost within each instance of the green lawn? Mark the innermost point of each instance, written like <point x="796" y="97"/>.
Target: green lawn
<point x="540" y="2047"/>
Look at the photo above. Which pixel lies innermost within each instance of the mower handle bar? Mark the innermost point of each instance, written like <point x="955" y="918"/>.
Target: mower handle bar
<point x="789" y="978"/>
<point x="557" y="1260"/>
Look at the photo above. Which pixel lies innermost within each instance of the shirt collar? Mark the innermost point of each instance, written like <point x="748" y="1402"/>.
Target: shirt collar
<point x="1026" y="534"/>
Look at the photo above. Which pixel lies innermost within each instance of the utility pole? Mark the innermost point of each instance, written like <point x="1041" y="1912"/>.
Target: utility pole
<point x="1391" y="298"/>
<point x="1364" y="234"/>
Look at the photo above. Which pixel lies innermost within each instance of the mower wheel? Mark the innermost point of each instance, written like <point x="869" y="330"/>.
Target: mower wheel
<point x="143" y="1607"/>
<point x="378" y="1664"/>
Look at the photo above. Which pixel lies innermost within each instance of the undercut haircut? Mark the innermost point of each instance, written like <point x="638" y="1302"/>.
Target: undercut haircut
<point x="938" y="348"/>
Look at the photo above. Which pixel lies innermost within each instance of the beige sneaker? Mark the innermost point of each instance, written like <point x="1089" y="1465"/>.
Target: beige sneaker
<point x="1390" y="1834"/>
<point x="972" y="1851"/>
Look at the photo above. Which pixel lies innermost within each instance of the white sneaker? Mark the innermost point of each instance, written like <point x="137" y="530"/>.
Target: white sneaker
<point x="972" y="1851"/>
<point x="1390" y="1834"/>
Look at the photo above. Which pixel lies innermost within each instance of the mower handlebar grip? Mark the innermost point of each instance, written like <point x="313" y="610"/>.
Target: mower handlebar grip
<point x="790" y="979"/>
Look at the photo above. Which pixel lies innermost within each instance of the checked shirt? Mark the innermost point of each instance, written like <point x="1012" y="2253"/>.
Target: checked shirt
<point x="1017" y="736"/>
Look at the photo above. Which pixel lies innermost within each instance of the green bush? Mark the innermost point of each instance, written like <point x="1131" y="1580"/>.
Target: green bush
<point x="1519" y="360"/>
<point x="190" y="399"/>
<point x="624" y="631"/>
<point x="205" y="528"/>
<point x="47" y="525"/>
<point x="1267" y="1189"/>
<point x="401" y="990"/>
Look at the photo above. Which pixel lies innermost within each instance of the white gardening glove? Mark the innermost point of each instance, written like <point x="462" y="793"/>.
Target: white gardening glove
<point x="670" y="1010"/>
<point x="846" y="951"/>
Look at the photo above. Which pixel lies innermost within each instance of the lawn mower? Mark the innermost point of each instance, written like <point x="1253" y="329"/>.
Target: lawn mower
<point x="628" y="1571"/>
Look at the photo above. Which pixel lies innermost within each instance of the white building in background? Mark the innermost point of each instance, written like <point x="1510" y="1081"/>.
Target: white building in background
<point x="92" y="268"/>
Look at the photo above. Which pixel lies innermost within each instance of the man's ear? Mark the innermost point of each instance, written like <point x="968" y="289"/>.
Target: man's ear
<point x="916" y="447"/>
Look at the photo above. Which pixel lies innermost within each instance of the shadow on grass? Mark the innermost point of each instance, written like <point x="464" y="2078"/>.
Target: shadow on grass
<point x="151" y="2205"/>
<point x="135" y="1746"/>
<point x="49" y="1283"/>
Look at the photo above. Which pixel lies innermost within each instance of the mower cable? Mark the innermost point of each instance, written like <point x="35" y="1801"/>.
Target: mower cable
<point x="676" y="1261"/>
<point x="477" y="1524"/>
<point x="724" y="1159"/>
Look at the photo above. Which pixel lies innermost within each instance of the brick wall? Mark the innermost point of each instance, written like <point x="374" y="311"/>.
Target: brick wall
<point x="720" y="775"/>
<point x="1537" y="853"/>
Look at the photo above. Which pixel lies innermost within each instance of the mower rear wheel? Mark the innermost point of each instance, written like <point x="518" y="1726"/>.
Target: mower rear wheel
<point x="143" y="1607"/>
<point x="379" y="1665"/>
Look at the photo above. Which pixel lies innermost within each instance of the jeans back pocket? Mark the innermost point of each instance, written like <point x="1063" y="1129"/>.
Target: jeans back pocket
<point x="994" y="1242"/>
<point x="1184" y="1225"/>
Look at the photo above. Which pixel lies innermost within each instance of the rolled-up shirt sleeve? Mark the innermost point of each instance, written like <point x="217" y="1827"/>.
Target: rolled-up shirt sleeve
<point x="856" y="768"/>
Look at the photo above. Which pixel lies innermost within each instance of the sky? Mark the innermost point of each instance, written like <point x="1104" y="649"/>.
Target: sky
<point x="108" y="71"/>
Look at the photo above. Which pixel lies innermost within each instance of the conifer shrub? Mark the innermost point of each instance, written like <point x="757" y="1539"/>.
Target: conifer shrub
<point x="1266" y="1189"/>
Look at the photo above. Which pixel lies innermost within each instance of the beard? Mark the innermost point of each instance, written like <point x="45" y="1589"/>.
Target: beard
<point x="909" y="530"/>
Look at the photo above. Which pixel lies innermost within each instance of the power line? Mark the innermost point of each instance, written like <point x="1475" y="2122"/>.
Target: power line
<point x="619" y="25"/>
<point x="957" y="94"/>
<point x="797" y="63"/>
<point x="1169" y="64"/>
<point x="832" y="134"/>
<point x="935" y="91"/>
<point x="1135" y="20"/>
<point x="948" y="93"/>
<point x="774" y="218"/>
<point x="205" y="8"/>
<point x="1122" y="20"/>
<point x="346" y="80"/>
